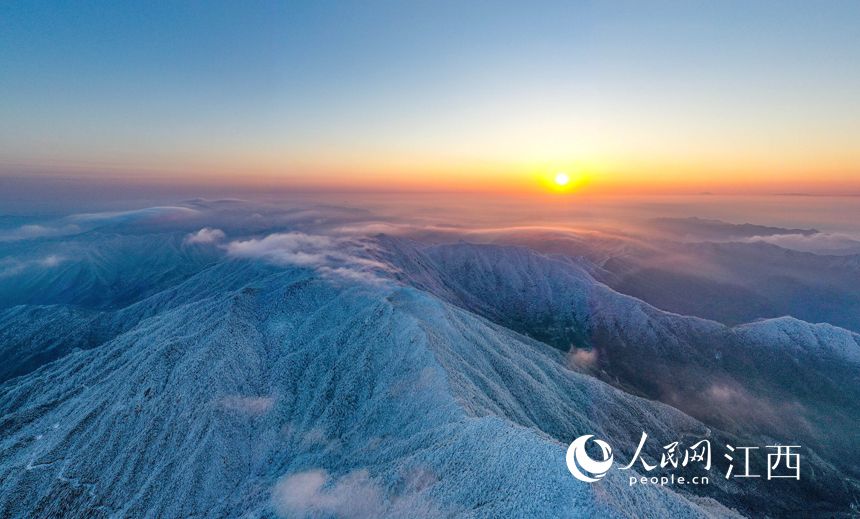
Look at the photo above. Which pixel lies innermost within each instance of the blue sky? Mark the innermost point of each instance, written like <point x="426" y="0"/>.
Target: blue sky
<point x="334" y="91"/>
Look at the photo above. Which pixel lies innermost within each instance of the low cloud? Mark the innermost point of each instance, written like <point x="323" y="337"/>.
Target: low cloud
<point x="205" y="235"/>
<point x="356" y="495"/>
<point x="293" y="248"/>
<point x="49" y="261"/>
<point x="827" y="243"/>
<point x="582" y="358"/>
<point x="724" y="398"/>
<point x="11" y="267"/>
<point x="33" y="231"/>
<point x="340" y="257"/>
<point x="151" y="214"/>
<point x="82" y="222"/>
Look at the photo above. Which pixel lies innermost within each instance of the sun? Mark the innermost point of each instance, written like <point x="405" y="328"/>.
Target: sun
<point x="561" y="181"/>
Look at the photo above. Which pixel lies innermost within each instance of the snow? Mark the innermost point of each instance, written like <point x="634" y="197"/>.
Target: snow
<point x="205" y="409"/>
<point x="147" y="376"/>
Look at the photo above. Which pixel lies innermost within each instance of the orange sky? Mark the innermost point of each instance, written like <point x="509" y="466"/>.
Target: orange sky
<point x="680" y="97"/>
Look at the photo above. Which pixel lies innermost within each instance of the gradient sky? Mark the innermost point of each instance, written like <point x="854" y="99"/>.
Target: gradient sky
<point x="630" y="96"/>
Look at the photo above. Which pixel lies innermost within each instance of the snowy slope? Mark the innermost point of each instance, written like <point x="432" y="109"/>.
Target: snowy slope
<point x="442" y="380"/>
<point x="203" y="408"/>
<point x="781" y="378"/>
<point x="97" y="269"/>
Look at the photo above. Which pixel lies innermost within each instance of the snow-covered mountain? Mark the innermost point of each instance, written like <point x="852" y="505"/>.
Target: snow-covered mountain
<point x="201" y="409"/>
<point x="779" y="378"/>
<point x="290" y="374"/>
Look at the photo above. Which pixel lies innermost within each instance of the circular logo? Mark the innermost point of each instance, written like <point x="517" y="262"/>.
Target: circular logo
<point x="580" y="464"/>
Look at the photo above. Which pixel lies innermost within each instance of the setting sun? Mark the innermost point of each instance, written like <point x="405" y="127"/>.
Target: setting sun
<point x="561" y="181"/>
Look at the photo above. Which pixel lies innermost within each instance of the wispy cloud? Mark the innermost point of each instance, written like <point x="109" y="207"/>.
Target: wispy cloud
<point x="341" y="257"/>
<point x="11" y="267"/>
<point x="33" y="231"/>
<point x="828" y="243"/>
<point x="356" y="495"/>
<point x="148" y="214"/>
<point x="52" y="260"/>
<point x="81" y="222"/>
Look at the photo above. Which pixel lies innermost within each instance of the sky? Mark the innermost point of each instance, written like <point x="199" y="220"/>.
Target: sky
<point x="625" y="97"/>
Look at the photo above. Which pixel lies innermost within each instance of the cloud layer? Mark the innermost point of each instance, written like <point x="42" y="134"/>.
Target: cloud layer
<point x="822" y="243"/>
<point x="344" y="257"/>
<point x="205" y="235"/>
